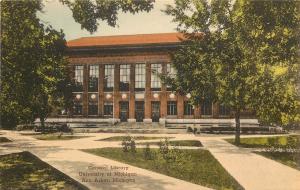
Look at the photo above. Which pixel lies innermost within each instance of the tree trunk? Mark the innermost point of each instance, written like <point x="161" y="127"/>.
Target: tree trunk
<point x="237" y="127"/>
<point x="42" y="120"/>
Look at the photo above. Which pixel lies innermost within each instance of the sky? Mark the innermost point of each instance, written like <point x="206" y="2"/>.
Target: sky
<point x="60" y="17"/>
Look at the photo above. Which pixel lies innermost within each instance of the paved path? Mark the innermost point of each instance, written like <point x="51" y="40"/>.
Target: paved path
<point x="252" y="171"/>
<point x="65" y="156"/>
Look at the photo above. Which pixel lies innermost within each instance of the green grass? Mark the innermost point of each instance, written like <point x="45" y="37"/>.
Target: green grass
<point x="177" y="143"/>
<point x="291" y="159"/>
<point x="58" y="137"/>
<point x="25" y="171"/>
<point x="264" y="142"/>
<point x="195" y="166"/>
<point x="4" y="139"/>
<point x="121" y="138"/>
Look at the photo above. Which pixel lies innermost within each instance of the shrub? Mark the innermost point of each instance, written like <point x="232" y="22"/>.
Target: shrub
<point x="164" y="149"/>
<point x="190" y="130"/>
<point x="128" y="144"/>
<point x="292" y="143"/>
<point x="25" y="127"/>
<point x="147" y="152"/>
<point x="54" y="127"/>
<point x="125" y="144"/>
<point x="132" y="145"/>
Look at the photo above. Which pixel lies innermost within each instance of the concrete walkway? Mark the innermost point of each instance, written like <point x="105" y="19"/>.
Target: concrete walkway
<point x="65" y="156"/>
<point x="252" y="171"/>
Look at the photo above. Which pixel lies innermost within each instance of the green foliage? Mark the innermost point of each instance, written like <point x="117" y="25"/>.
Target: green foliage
<point x="164" y="148"/>
<point x="291" y="159"/>
<point x="34" y="78"/>
<point x="282" y="143"/>
<point x="58" y="136"/>
<point x="195" y="143"/>
<point x="128" y="144"/>
<point x="88" y="12"/>
<point x="243" y="54"/>
<point x="132" y="146"/>
<point x="121" y="138"/>
<point x="147" y="152"/>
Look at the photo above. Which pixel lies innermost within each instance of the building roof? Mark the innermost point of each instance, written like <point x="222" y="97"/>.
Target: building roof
<point x="121" y="40"/>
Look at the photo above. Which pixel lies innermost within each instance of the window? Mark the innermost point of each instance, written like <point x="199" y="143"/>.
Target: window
<point x="108" y="108"/>
<point x="172" y="108"/>
<point x="140" y="77"/>
<point x="77" y="106"/>
<point x="93" y="78"/>
<point x="171" y="72"/>
<point x="124" y="77"/>
<point x="78" y="78"/>
<point x="155" y="80"/>
<point x="109" y="77"/>
<point x="224" y="110"/>
<point x="188" y="108"/>
<point x="93" y="104"/>
<point x="206" y="108"/>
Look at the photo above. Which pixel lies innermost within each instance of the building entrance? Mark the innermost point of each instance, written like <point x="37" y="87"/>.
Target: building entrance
<point x="155" y="109"/>
<point x="139" y="111"/>
<point x="124" y="111"/>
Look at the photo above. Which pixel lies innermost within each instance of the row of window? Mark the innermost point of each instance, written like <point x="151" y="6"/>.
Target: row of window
<point x="206" y="108"/>
<point x="140" y="77"/>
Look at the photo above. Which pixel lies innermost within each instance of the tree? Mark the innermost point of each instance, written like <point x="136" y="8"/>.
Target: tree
<point x="243" y="54"/>
<point x="34" y="74"/>
<point x="89" y="12"/>
<point x="33" y="65"/>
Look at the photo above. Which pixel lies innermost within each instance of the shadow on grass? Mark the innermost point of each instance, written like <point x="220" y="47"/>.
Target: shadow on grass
<point x="25" y="171"/>
<point x="4" y="140"/>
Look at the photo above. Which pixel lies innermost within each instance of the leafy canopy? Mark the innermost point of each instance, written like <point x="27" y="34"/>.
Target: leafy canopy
<point x="244" y="54"/>
<point x="33" y="67"/>
<point x="89" y="12"/>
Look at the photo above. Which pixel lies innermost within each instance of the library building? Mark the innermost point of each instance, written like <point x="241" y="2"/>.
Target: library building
<point x="116" y="80"/>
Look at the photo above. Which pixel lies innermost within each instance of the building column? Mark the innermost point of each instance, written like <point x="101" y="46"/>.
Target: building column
<point x="131" y="94"/>
<point x="148" y="94"/>
<point x="71" y="68"/>
<point x="85" y="98"/>
<point x="180" y="107"/>
<point x="163" y="94"/>
<point x="197" y="111"/>
<point x="116" y="93"/>
<point x="100" y="90"/>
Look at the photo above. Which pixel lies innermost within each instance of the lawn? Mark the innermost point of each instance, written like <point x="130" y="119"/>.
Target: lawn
<point x="195" y="166"/>
<point x="58" y="137"/>
<point x="265" y="142"/>
<point x="25" y="171"/>
<point x="277" y="148"/>
<point x="177" y="143"/>
<point x="121" y="138"/>
<point x="4" y="139"/>
<point x="291" y="159"/>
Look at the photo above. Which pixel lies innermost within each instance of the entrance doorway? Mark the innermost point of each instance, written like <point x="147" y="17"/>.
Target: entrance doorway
<point x="124" y="113"/>
<point x="155" y="111"/>
<point x="139" y="111"/>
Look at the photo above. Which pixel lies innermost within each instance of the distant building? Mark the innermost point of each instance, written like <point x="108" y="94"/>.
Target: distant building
<point x="115" y="77"/>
